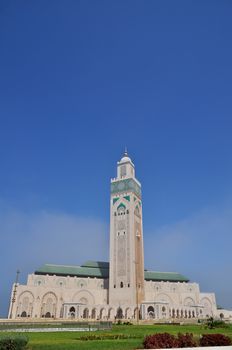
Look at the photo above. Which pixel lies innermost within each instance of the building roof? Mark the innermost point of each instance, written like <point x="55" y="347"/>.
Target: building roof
<point x="100" y="269"/>
<point x="89" y="269"/>
<point x="100" y="264"/>
<point x="164" y="276"/>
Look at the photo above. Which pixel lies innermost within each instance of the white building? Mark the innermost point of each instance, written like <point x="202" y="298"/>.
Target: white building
<point x="121" y="289"/>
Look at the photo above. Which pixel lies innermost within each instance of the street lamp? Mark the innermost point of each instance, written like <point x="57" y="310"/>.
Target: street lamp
<point x="14" y="292"/>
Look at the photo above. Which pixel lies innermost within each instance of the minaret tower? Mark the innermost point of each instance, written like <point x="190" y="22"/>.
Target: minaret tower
<point x="126" y="285"/>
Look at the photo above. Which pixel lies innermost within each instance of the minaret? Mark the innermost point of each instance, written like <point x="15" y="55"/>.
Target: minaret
<point x="126" y="285"/>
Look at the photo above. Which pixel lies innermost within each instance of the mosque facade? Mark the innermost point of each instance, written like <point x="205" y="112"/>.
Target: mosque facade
<point x="120" y="289"/>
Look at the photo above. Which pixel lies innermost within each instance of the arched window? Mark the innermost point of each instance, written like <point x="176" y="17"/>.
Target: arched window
<point x="123" y="170"/>
<point x="26" y="300"/>
<point x="49" y="302"/>
<point x="121" y="209"/>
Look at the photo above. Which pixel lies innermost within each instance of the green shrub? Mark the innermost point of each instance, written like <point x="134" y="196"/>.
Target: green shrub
<point x="211" y="323"/>
<point x="107" y="337"/>
<point x="10" y="342"/>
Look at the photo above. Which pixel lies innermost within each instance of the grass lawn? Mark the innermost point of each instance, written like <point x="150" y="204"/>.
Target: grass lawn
<point x="71" y="340"/>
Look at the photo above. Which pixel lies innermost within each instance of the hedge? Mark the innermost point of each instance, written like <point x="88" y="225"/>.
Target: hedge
<point x="166" y="340"/>
<point x="13" y="342"/>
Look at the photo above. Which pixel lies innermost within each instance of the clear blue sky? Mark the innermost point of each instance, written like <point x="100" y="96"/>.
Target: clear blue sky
<point x="79" y="81"/>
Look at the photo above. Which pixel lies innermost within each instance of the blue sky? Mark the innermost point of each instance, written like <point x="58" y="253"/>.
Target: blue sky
<point x="79" y="81"/>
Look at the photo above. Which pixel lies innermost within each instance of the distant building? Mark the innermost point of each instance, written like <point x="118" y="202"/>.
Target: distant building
<point x="120" y="289"/>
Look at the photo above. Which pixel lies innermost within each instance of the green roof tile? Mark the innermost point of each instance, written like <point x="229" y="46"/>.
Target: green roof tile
<point x="164" y="276"/>
<point x="100" y="269"/>
<point x="99" y="264"/>
<point x="80" y="271"/>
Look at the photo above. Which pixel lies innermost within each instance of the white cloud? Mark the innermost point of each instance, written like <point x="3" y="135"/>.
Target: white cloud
<point x="199" y="247"/>
<point x="30" y="240"/>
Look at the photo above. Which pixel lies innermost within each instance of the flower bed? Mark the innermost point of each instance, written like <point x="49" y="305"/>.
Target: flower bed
<point x="167" y="341"/>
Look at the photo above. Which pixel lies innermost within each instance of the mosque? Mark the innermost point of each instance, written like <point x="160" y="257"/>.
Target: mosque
<point x="119" y="289"/>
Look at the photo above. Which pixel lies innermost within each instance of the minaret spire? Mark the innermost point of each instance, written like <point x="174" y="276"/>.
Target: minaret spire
<point x="125" y="152"/>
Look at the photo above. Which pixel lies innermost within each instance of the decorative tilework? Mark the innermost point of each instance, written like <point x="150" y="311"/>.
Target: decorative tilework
<point x="125" y="186"/>
<point x="121" y="205"/>
<point x="115" y="200"/>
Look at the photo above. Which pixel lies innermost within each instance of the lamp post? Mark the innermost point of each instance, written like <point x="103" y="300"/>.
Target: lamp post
<point x="14" y="292"/>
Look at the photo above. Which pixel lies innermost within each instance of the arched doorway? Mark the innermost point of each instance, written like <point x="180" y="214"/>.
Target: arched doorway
<point x="111" y="314"/>
<point x="86" y="313"/>
<point x="136" y="313"/>
<point x="119" y="314"/>
<point x="48" y="315"/>
<point x="24" y="314"/>
<point x="151" y="312"/>
<point x="93" y="314"/>
<point x="102" y="313"/>
<point x="72" y="312"/>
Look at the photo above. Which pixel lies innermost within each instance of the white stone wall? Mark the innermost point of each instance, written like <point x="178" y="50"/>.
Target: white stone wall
<point x="46" y="294"/>
<point x="73" y="297"/>
<point x="169" y="300"/>
<point x="224" y="314"/>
